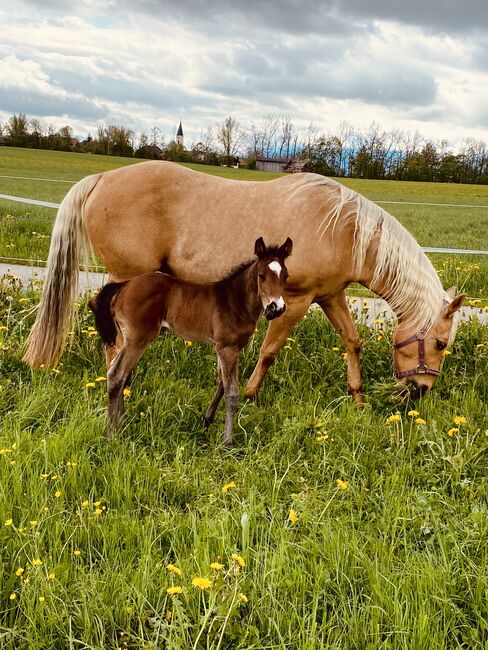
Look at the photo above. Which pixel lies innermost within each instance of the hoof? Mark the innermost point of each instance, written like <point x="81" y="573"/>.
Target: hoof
<point x="207" y="421"/>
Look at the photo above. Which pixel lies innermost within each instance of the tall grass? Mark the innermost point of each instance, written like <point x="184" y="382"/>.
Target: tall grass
<point x="386" y="546"/>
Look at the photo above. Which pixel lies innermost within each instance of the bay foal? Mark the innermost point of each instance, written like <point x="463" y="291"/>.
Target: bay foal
<point x="130" y="315"/>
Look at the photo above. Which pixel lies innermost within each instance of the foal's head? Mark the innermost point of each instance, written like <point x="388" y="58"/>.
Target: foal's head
<point x="272" y="275"/>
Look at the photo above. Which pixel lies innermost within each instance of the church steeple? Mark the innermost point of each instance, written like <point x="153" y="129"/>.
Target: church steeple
<point x="179" y="135"/>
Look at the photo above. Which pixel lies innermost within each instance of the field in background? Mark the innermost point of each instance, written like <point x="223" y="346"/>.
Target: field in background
<point x="330" y="526"/>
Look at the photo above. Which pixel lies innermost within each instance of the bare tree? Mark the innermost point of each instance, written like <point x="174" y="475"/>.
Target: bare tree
<point x="229" y="135"/>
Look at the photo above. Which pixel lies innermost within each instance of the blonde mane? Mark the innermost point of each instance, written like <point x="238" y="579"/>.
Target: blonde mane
<point x="414" y="290"/>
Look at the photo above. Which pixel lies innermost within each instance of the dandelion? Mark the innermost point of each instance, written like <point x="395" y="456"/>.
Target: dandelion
<point x="44" y="475"/>
<point x="460" y="419"/>
<point x="127" y="392"/>
<point x="201" y="583"/>
<point x="85" y="504"/>
<point x="77" y="553"/>
<point x="393" y="418"/>
<point x="452" y="431"/>
<point x="90" y="384"/>
<point x="486" y="432"/>
<point x="344" y="356"/>
<point x="243" y="598"/>
<point x="335" y="349"/>
<point x="57" y="494"/>
<point x="41" y="599"/>
<point x="446" y="353"/>
<point x="101" y="378"/>
<point x="51" y="576"/>
<point x="174" y="591"/>
<point x="239" y="560"/>
<point x="33" y="522"/>
<point x="19" y="571"/>
<point x="216" y="566"/>
<point x="292" y="516"/>
<point x="37" y="562"/>
<point x="174" y="569"/>
<point x="228" y="486"/>
<point x="413" y="414"/>
<point x="13" y="596"/>
<point x="97" y="512"/>
<point x="322" y="438"/>
<point x="97" y="504"/>
<point x="189" y="344"/>
<point x="8" y="522"/>
<point x="343" y="485"/>
<point x="420" y="421"/>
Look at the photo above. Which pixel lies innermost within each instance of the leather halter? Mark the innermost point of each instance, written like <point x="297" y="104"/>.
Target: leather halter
<point x="422" y="368"/>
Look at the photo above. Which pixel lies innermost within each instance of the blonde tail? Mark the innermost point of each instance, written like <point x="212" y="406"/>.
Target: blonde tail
<point x="69" y="243"/>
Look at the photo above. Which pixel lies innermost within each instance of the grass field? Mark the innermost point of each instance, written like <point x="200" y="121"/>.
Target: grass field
<point x="25" y="230"/>
<point x="328" y="527"/>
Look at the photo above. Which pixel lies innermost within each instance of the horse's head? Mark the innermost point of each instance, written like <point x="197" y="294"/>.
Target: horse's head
<point x="418" y="354"/>
<point x="272" y="275"/>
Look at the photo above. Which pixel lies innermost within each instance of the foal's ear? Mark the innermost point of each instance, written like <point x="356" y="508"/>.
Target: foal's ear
<point x="259" y="247"/>
<point x="287" y="247"/>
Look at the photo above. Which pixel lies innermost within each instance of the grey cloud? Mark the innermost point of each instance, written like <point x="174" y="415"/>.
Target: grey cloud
<point x="41" y="104"/>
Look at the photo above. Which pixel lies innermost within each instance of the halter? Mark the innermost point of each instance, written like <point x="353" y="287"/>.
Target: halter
<point x="422" y="368"/>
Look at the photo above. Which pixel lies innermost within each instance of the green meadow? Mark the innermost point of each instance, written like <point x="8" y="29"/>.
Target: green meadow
<point x="327" y="527"/>
<point x="25" y="229"/>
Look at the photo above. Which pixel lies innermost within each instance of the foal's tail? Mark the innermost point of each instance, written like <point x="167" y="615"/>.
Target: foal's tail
<point x="69" y="242"/>
<point x="100" y="306"/>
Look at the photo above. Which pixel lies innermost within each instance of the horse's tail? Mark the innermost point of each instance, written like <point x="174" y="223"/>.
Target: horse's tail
<point x="100" y="306"/>
<point x="55" y="313"/>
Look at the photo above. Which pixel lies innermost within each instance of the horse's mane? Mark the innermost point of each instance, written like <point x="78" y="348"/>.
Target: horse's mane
<point x="236" y="270"/>
<point x="414" y="290"/>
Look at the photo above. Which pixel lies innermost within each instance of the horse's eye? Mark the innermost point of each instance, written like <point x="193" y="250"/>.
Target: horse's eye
<point x="261" y="276"/>
<point x="440" y="345"/>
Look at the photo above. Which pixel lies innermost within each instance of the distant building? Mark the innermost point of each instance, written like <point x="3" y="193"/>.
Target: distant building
<point x="179" y="135"/>
<point x="289" y="165"/>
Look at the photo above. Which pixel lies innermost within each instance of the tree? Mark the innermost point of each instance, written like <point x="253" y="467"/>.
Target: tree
<point x="17" y="129"/>
<point x="229" y="135"/>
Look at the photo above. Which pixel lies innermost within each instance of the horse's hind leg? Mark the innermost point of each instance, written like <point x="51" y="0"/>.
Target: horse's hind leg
<point x="228" y="361"/>
<point x="209" y="415"/>
<point x="278" y="330"/>
<point x="337" y="311"/>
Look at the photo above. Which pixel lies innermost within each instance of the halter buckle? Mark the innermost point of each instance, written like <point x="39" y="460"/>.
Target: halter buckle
<point x="422" y="369"/>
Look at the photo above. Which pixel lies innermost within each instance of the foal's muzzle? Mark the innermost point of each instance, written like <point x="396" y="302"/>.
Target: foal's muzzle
<point x="273" y="311"/>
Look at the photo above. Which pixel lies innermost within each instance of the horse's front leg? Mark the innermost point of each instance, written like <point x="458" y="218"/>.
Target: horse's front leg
<point x="337" y="311"/>
<point x="228" y="361"/>
<point x="209" y="415"/>
<point x="278" y="331"/>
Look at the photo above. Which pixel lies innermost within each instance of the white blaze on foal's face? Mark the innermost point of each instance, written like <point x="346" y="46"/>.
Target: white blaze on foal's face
<point x="275" y="267"/>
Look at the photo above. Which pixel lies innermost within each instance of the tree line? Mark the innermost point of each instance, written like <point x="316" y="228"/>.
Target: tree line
<point x="370" y="153"/>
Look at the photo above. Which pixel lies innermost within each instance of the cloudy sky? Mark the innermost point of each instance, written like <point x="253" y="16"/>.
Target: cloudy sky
<point x="406" y="64"/>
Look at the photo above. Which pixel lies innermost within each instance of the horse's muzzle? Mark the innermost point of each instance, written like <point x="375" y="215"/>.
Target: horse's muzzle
<point x="273" y="311"/>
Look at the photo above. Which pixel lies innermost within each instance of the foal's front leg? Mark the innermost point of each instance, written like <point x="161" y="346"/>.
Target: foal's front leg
<point x="228" y="361"/>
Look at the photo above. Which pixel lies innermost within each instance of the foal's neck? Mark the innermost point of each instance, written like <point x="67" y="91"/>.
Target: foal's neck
<point x="242" y="293"/>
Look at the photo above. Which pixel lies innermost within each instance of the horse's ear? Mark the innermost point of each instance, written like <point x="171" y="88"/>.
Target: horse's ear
<point x="259" y="247"/>
<point x="450" y="309"/>
<point x="287" y="247"/>
<point x="451" y="292"/>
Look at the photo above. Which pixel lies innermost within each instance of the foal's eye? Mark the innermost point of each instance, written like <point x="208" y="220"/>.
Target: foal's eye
<point x="440" y="345"/>
<point x="261" y="276"/>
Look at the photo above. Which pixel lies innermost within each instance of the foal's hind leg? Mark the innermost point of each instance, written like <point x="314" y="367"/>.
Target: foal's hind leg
<point x="276" y="335"/>
<point x="228" y="360"/>
<point x="117" y="377"/>
<point x="337" y="311"/>
<point x="209" y="415"/>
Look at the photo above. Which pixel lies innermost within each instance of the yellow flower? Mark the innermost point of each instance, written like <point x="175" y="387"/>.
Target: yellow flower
<point x="228" y="486"/>
<point x="13" y="596"/>
<point x="9" y="522"/>
<point x="242" y="597"/>
<point x="188" y="344"/>
<point x="85" y="504"/>
<point x="292" y="516"/>
<point x="452" y="431"/>
<point x="486" y="432"/>
<point x="460" y="419"/>
<point x="77" y="553"/>
<point x="19" y="571"/>
<point x="57" y="494"/>
<point x="97" y="504"/>
<point x="174" y="591"/>
<point x="393" y="418"/>
<point x="201" y="583"/>
<point x="420" y="421"/>
<point x="322" y="438"/>
<point x="126" y="392"/>
<point x="334" y="349"/>
<point x="446" y="353"/>
<point x="44" y="475"/>
<point x="90" y="384"/>
<point x="344" y="356"/>
<point x="41" y="599"/>
<point x="52" y="575"/>
<point x="33" y="522"/>
<point x="101" y="378"/>
<point x="216" y="566"/>
<point x="343" y="485"/>
<point x="97" y="512"/>
<point x="413" y="414"/>
<point x="238" y="559"/>
<point x="174" y="569"/>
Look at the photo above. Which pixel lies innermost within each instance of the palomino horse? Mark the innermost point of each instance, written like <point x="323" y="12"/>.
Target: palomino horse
<point x="160" y="215"/>
<point x="129" y="316"/>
